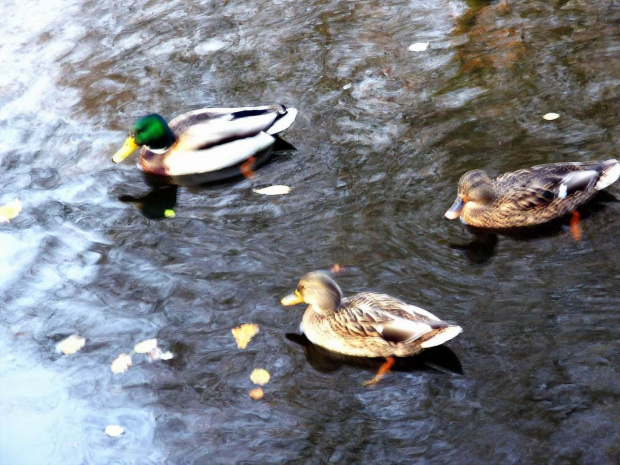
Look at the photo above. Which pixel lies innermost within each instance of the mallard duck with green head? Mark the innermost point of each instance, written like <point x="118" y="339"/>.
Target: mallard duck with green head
<point x="205" y="140"/>
<point x="531" y="196"/>
<point x="367" y="324"/>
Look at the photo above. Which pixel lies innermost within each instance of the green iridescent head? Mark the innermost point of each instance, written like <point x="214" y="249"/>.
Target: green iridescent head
<point x="151" y="131"/>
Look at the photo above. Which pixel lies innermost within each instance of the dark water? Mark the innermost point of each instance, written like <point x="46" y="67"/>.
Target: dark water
<point x="376" y="166"/>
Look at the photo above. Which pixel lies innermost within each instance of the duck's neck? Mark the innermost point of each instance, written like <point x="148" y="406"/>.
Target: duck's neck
<point x="326" y="308"/>
<point x="474" y="213"/>
<point x="162" y="142"/>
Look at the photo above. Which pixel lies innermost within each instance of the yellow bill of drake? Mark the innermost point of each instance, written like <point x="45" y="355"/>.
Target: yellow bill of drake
<point x="127" y="149"/>
<point x="292" y="299"/>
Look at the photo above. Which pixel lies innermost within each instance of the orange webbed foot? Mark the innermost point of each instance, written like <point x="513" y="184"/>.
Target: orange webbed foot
<point x="246" y="168"/>
<point x="383" y="370"/>
<point x="575" y="225"/>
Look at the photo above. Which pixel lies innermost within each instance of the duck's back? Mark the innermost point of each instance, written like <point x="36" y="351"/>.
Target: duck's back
<point x="369" y="324"/>
<point x="545" y="192"/>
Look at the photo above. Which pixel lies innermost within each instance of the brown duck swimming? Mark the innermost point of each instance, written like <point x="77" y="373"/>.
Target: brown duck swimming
<point x="366" y="324"/>
<point x="529" y="196"/>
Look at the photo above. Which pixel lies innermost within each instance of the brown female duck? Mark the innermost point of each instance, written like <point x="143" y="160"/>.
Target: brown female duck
<point x="366" y="324"/>
<point x="529" y="196"/>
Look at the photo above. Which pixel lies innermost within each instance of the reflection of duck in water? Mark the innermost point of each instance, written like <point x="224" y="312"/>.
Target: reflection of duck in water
<point x="439" y="358"/>
<point x="157" y="204"/>
<point x="366" y="324"/>
<point x="532" y="196"/>
<point x="206" y="141"/>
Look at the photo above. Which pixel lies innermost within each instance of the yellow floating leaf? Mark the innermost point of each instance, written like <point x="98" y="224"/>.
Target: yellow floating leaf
<point x="243" y="334"/>
<point x="10" y="210"/>
<point x="273" y="190"/>
<point x="169" y="213"/>
<point x="145" y="347"/>
<point x="121" y="363"/>
<point x="257" y="393"/>
<point x="419" y="46"/>
<point x="551" y="116"/>
<point x="260" y="376"/>
<point x="71" y="344"/>
<point x="114" y="430"/>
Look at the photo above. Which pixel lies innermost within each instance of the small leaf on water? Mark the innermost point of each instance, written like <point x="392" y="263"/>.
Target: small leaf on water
<point x="10" y="211"/>
<point x="337" y="269"/>
<point x="145" y="347"/>
<point x="260" y="376"/>
<point x="551" y="116"/>
<point x="273" y="190"/>
<point x="166" y="356"/>
<point x="419" y="46"/>
<point x="347" y="86"/>
<point x="243" y="334"/>
<point x="256" y="393"/>
<point x="71" y="344"/>
<point x="169" y="213"/>
<point x="121" y="363"/>
<point x="154" y="354"/>
<point x="114" y="430"/>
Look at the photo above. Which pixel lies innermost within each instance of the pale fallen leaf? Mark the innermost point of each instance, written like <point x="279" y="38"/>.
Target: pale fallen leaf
<point x="347" y="86"/>
<point x="257" y="393"/>
<point x="260" y="376"/>
<point x="10" y="210"/>
<point x="551" y="116"/>
<point x="154" y="354"/>
<point x="71" y="344"/>
<point x="243" y="334"/>
<point x="114" y="430"/>
<point x="273" y="190"/>
<point x="419" y="46"/>
<point x="166" y="356"/>
<point x="145" y="347"/>
<point x="121" y="363"/>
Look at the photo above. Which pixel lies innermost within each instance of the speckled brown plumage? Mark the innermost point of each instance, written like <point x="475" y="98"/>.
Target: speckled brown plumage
<point x="367" y="324"/>
<point x="530" y="196"/>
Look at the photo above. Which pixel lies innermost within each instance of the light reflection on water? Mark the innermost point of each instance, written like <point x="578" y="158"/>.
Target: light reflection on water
<point x="376" y="166"/>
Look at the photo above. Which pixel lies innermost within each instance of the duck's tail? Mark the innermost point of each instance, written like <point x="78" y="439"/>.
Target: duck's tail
<point x="609" y="173"/>
<point x="448" y="332"/>
<point x="285" y="118"/>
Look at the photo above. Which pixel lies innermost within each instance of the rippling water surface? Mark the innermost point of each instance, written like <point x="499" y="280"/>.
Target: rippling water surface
<point x="382" y="137"/>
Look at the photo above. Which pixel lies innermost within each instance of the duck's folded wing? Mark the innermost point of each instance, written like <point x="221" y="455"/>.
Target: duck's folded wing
<point x="216" y="157"/>
<point x="543" y="184"/>
<point x="391" y="318"/>
<point x="403" y="331"/>
<point x="205" y="128"/>
<point x="527" y="191"/>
